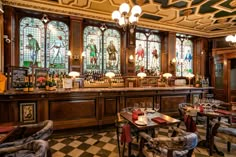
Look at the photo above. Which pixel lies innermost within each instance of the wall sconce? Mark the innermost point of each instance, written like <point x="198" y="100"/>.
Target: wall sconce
<point x="173" y="61"/>
<point x="131" y="59"/>
<point x="7" y="40"/>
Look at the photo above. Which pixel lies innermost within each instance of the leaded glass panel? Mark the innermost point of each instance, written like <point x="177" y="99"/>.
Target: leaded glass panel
<point x="92" y="48"/>
<point x="184" y="53"/>
<point x="57" y="39"/>
<point x="140" y="52"/>
<point x="31" y="43"/>
<point x="111" y="50"/>
<point x="154" y="49"/>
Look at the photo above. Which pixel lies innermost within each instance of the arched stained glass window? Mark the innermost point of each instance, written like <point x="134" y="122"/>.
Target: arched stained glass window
<point x="57" y="46"/>
<point x="31" y="42"/>
<point x="92" y="48"/>
<point x="154" y="49"/>
<point x="184" y="53"/>
<point x="147" y="52"/>
<point x="112" y="50"/>
<point x="140" y="51"/>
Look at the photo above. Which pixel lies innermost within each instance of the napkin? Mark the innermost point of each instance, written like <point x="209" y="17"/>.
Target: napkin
<point x="223" y="111"/>
<point x="125" y="136"/>
<point x="138" y="112"/>
<point x="159" y="120"/>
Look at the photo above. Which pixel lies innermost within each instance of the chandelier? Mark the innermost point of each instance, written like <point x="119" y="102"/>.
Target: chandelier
<point x="231" y="39"/>
<point x="124" y="17"/>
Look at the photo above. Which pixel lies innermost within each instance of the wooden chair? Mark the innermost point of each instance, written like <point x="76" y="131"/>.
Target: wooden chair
<point x="181" y="145"/>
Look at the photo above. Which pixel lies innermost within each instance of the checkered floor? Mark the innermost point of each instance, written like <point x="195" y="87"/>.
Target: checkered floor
<point x="103" y="143"/>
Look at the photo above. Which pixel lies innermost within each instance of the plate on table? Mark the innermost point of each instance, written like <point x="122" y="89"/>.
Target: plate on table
<point x="138" y="122"/>
<point x="150" y="111"/>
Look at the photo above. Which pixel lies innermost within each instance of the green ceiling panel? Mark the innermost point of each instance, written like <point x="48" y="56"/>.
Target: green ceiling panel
<point x="224" y="13"/>
<point x="206" y="8"/>
<point x="151" y="17"/>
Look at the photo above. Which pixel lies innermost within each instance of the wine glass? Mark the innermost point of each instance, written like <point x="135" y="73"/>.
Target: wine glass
<point x="136" y="106"/>
<point x="156" y="106"/>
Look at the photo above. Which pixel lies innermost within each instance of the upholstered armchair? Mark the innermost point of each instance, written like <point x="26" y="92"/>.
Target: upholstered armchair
<point x="179" y="146"/>
<point x="225" y="131"/>
<point x="35" y="148"/>
<point x="25" y="134"/>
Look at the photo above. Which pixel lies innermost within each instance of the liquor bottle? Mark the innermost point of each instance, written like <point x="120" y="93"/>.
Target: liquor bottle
<point x="31" y="86"/>
<point x="47" y="82"/>
<point x="54" y="85"/>
<point x="26" y="84"/>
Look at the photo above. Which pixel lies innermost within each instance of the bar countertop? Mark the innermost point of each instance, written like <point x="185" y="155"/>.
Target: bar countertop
<point x="87" y="90"/>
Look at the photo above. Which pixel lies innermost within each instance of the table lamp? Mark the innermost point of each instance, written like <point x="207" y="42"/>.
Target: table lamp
<point x="189" y="76"/>
<point x="141" y="75"/>
<point x="167" y="75"/>
<point x="110" y="75"/>
<point x="74" y="74"/>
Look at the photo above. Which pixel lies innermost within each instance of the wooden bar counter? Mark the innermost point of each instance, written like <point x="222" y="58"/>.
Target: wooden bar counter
<point x="89" y="106"/>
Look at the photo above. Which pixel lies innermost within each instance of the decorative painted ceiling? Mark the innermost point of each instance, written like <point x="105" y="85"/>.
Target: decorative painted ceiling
<point x="207" y="18"/>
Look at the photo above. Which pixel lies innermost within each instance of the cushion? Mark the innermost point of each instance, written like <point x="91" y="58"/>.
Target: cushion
<point x="228" y="131"/>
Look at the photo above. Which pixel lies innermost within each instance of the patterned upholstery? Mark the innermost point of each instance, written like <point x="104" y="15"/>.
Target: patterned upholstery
<point x="29" y="137"/>
<point x="225" y="131"/>
<point x="178" y="146"/>
<point x="31" y="132"/>
<point x="35" y="148"/>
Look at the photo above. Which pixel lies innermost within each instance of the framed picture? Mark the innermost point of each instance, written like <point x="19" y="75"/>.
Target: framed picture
<point x="40" y="77"/>
<point x="195" y="98"/>
<point x="28" y="112"/>
<point x="18" y="77"/>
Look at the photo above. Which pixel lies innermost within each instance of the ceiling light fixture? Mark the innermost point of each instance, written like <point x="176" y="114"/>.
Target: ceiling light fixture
<point x="231" y="39"/>
<point x="124" y="17"/>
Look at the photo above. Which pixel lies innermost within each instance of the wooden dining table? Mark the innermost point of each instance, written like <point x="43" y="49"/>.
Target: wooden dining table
<point x="150" y="124"/>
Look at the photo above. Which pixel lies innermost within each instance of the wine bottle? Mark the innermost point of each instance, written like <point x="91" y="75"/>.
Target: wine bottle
<point x="26" y="84"/>
<point x="31" y="86"/>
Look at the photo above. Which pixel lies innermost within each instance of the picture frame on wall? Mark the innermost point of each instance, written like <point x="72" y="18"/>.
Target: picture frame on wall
<point x="195" y="98"/>
<point x="28" y="112"/>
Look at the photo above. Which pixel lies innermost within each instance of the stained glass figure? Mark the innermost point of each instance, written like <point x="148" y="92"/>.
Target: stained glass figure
<point x="154" y="49"/>
<point x="92" y="46"/>
<point x="140" y="52"/>
<point x="184" y="53"/>
<point x="112" y="50"/>
<point x="31" y="42"/>
<point x="57" y="39"/>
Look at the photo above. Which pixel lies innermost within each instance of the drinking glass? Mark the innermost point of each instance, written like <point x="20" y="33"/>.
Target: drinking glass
<point x="136" y="106"/>
<point x="157" y="106"/>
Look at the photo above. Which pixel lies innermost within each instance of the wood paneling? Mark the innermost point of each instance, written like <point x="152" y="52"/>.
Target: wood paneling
<point x="170" y="104"/>
<point x="72" y="110"/>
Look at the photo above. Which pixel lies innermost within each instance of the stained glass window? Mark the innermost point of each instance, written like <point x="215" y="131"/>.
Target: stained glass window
<point x="102" y="50"/>
<point x="57" y="46"/>
<point x="31" y="42"/>
<point x="112" y="50"/>
<point x="140" y="52"/>
<point x="92" y="48"/>
<point x="147" y="52"/>
<point x="154" y="50"/>
<point x="43" y="48"/>
<point x="184" y="53"/>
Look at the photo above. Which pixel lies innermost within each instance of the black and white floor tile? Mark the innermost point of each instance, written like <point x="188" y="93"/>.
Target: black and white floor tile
<point x="104" y="144"/>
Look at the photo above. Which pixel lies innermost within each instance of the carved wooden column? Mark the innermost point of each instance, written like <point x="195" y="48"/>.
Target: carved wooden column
<point x="1" y="39"/>
<point x="9" y="30"/>
<point x="76" y="44"/>
<point x="129" y="51"/>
